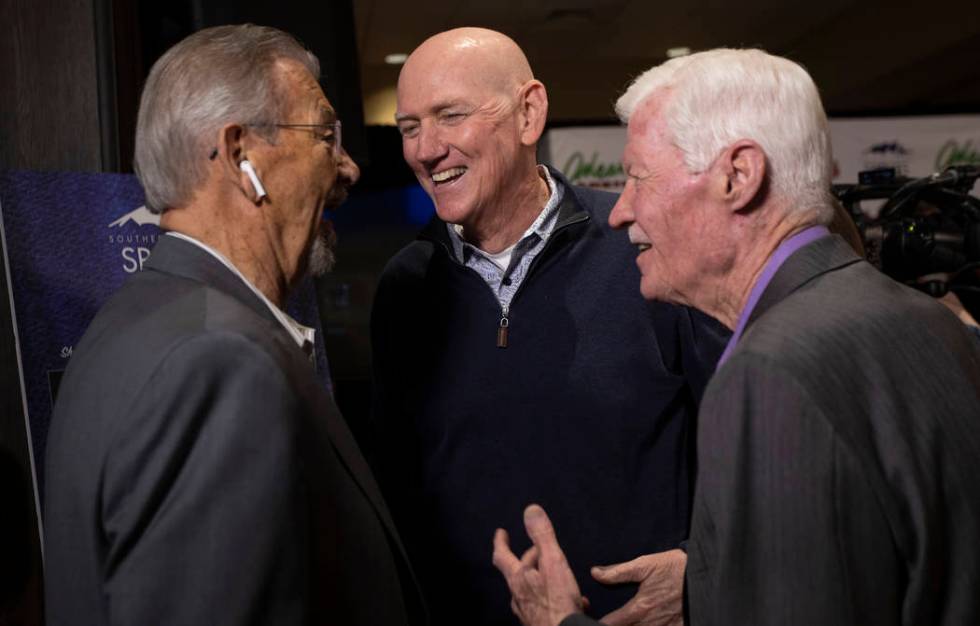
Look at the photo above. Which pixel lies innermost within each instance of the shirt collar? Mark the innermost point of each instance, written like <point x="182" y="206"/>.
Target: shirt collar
<point x="783" y="252"/>
<point x="304" y="336"/>
<point x="542" y="226"/>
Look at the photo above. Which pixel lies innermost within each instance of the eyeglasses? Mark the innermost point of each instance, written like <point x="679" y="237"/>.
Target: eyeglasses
<point x="328" y="133"/>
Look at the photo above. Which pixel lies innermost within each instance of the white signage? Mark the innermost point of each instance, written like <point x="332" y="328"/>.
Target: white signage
<point x="914" y="146"/>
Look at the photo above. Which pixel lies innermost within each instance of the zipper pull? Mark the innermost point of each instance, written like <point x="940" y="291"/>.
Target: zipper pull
<point x="502" y="329"/>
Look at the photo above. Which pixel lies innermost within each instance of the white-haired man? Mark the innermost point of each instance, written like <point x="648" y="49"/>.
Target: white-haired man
<point x="197" y="471"/>
<point x="837" y="439"/>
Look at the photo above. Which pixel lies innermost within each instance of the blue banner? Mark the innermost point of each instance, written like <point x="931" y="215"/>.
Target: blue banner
<point x="71" y="240"/>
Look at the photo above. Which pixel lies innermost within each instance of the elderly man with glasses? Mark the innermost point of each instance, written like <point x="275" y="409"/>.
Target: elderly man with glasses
<point x="197" y="471"/>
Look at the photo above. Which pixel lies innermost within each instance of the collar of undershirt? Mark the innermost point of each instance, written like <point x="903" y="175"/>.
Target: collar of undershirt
<point x="302" y="335"/>
<point x="542" y="226"/>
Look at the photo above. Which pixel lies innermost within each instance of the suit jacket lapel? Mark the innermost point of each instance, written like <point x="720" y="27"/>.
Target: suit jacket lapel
<point x="350" y="455"/>
<point x="181" y="258"/>
<point x="823" y="255"/>
<point x="342" y="441"/>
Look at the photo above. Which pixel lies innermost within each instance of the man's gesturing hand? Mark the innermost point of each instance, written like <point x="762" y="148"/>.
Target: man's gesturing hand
<point x="658" y="601"/>
<point x="542" y="586"/>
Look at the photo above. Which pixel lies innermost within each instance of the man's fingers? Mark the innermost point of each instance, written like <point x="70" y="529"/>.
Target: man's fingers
<point x="628" y="572"/>
<point x="530" y="557"/>
<point x="543" y="588"/>
<point x="503" y="559"/>
<point x="539" y="527"/>
<point x="658" y="599"/>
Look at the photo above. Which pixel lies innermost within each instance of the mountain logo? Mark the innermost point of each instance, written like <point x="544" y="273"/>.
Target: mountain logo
<point x="142" y="216"/>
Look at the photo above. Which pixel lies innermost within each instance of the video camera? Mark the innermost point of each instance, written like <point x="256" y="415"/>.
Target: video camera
<point x="927" y="231"/>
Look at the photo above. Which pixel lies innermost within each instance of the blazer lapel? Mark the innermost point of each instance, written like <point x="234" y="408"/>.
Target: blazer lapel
<point x="178" y="257"/>
<point x="823" y="255"/>
<point x="342" y="441"/>
<point x="181" y="258"/>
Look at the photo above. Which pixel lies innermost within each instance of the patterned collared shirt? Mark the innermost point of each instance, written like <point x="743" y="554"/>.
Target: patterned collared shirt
<point x="505" y="281"/>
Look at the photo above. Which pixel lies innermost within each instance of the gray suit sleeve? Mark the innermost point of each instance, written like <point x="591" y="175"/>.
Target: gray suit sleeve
<point x="203" y="500"/>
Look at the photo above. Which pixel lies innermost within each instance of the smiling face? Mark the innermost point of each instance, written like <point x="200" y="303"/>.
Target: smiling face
<point x="458" y="113"/>
<point x="669" y="212"/>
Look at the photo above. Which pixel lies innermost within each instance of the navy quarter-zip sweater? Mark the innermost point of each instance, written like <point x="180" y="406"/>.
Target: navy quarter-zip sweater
<point x="589" y="410"/>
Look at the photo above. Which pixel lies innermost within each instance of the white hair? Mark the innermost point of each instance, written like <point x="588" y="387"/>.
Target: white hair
<point x="214" y="77"/>
<point x="720" y="96"/>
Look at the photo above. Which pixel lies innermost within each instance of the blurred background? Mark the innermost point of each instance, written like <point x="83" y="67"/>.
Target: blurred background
<point x="72" y="71"/>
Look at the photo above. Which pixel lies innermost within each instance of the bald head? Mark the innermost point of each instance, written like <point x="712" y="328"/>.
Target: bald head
<point x="485" y="56"/>
<point x="470" y="114"/>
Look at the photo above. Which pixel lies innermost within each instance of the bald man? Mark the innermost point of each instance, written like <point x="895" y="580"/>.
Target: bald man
<point x="515" y="360"/>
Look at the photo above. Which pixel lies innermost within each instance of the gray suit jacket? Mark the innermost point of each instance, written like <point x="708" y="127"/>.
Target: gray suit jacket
<point x="197" y="473"/>
<point x="837" y="456"/>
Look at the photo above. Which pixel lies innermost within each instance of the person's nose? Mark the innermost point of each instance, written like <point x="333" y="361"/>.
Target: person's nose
<point x="621" y="215"/>
<point x="430" y="145"/>
<point x="347" y="170"/>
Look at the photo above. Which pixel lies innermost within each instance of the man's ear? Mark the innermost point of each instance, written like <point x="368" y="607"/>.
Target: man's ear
<point x="229" y="152"/>
<point x="533" y="102"/>
<point x="741" y="173"/>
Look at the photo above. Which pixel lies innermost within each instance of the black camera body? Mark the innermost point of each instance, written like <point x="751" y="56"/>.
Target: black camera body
<point x="927" y="232"/>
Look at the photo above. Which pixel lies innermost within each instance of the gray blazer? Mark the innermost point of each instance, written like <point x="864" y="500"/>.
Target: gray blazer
<point x="837" y="457"/>
<point x="197" y="473"/>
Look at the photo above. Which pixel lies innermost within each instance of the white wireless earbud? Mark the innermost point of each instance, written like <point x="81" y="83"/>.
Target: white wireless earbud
<point x="246" y="167"/>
